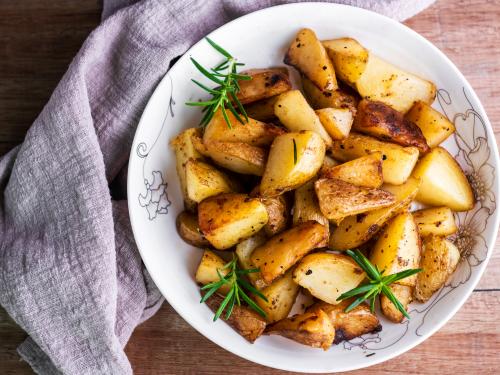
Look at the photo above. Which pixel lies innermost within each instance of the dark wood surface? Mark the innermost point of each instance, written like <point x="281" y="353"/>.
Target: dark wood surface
<point x="38" y="39"/>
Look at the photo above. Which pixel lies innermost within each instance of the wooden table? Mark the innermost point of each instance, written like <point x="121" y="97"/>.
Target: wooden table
<point x="38" y="40"/>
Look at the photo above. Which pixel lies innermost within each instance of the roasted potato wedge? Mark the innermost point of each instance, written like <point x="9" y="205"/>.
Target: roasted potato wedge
<point x="281" y="295"/>
<point x="398" y="247"/>
<point x="262" y="110"/>
<point x="282" y="251"/>
<point x="404" y="295"/>
<point x="306" y="208"/>
<point x="187" y="227"/>
<point x="244" y="250"/>
<point x="294" y="159"/>
<point x="328" y="275"/>
<point x="311" y="328"/>
<point x="328" y="99"/>
<point x="384" y="82"/>
<point x="439" y="260"/>
<point x="438" y="221"/>
<point x="336" y="121"/>
<point x="264" y="84"/>
<point x="397" y="161"/>
<point x="294" y="112"/>
<point x="253" y="132"/>
<point x="204" y="180"/>
<point x="184" y="150"/>
<point x="243" y="319"/>
<point x="206" y="272"/>
<point x="381" y="121"/>
<point x="338" y="199"/>
<point x="364" y="171"/>
<point x="197" y="140"/>
<point x="308" y="56"/>
<point x="352" y="324"/>
<point x="443" y="181"/>
<point x="238" y="157"/>
<point x="226" y="219"/>
<point x="356" y="230"/>
<point x="349" y="58"/>
<point x="434" y="126"/>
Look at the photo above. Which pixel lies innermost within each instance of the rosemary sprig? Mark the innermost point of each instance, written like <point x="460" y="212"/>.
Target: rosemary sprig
<point x="237" y="286"/>
<point x="224" y="96"/>
<point x="294" y="152"/>
<point x="378" y="284"/>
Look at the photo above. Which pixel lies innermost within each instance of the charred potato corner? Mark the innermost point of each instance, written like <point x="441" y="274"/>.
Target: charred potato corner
<point x="310" y="190"/>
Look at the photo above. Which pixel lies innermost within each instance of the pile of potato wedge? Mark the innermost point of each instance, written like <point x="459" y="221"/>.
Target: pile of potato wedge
<point x="333" y="166"/>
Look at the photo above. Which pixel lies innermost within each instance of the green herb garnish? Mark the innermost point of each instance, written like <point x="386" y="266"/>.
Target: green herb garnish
<point x="294" y="152"/>
<point x="225" y="75"/>
<point x="377" y="284"/>
<point x="237" y="284"/>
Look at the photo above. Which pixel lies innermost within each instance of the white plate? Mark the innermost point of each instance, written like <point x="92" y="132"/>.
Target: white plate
<point x="260" y="40"/>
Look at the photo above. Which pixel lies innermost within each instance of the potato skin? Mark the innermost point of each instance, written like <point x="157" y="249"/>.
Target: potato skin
<point x="308" y="56"/>
<point x="397" y="161"/>
<point x="282" y="251"/>
<point x="262" y="110"/>
<point x="338" y="199"/>
<point x="319" y="99"/>
<point x="264" y="84"/>
<point x="278" y="211"/>
<point x="404" y="295"/>
<point x="438" y="221"/>
<point x="187" y="227"/>
<point x="381" y="121"/>
<point x="282" y="173"/>
<point x="328" y="275"/>
<point x="365" y="171"/>
<point x="238" y="157"/>
<point x="352" y="324"/>
<point x="314" y="329"/>
<point x="356" y="230"/>
<point x="226" y="219"/>
<point x="243" y="320"/>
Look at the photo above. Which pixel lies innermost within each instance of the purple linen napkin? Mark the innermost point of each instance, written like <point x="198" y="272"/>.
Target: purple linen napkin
<point x="70" y="274"/>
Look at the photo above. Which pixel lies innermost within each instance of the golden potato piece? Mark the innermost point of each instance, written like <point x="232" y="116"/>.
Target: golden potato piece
<point x="398" y="248"/>
<point x="356" y="230"/>
<point x="328" y="275"/>
<point x="438" y="221"/>
<point x="404" y="295"/>
<point x="294" y="112"/>
<point x="306" y="208"/>
<point x="364" y="171"/>
<point x="381" y="121"/>
<point x="204" y="180"/>
<point x="226" y="219"/>
<point x="197" y="140"/>
<point x="308" y="56"/>
<point x="319" y="99"/>
<point x="262" y="110"/>
<point x="238" y="157"/>
<point x="294" y="159"/>
<point x="311" y="328"/>
<point x="439" y="260"/>
<point x="352" y="324"/>
<point x="443" y="182"/>
<point x="243" y="319"/>
<point x="349" y="58"/>
<point x="187" y="227"/>
<point x="281" y="295"/>
<point x="244" y="250"/>
<point x="206" y="272"/>
<point x="384" y="82"/>
<point x="254" y="133"/>
<point x="434" y="126"/>
<point x="336" y="121"/>
<point x="282" y="251"/>
<point x="264" y="84"/>
<point x="397" y="161"/>
<point x="184" y="150"/>
<point x="339" y="199"/>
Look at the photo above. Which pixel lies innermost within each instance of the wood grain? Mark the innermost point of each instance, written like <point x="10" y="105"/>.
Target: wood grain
<point x="37" y="42"/>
